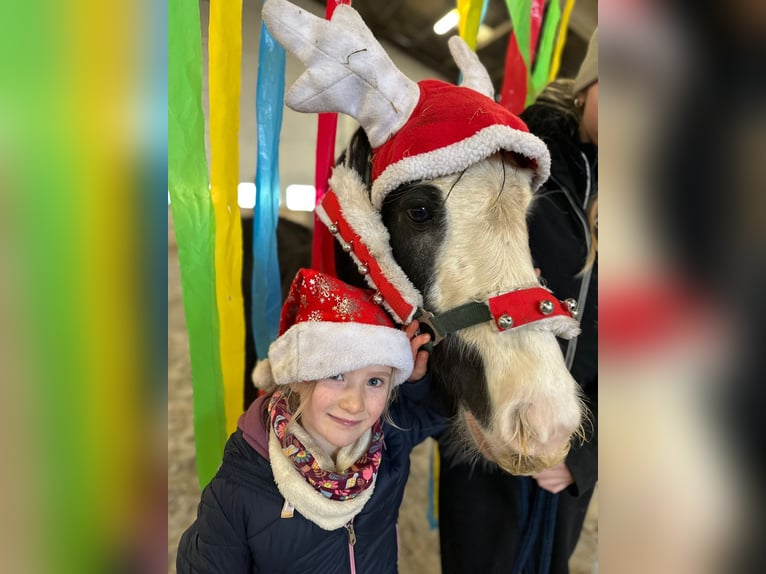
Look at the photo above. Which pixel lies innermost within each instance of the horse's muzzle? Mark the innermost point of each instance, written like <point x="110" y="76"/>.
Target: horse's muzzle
<point x="513" y="458"/>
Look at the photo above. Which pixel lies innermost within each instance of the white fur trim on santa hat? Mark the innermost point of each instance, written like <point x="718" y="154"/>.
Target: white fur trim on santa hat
<point x="313" y="350"/>
<point x="456" y="157"/>
<point x="354" y="200"/>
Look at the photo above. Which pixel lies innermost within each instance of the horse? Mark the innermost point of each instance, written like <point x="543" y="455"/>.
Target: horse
<point x="428" y="205"/>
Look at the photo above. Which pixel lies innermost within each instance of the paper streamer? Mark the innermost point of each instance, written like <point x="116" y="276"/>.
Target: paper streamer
<point x="434" y="470"/>
<point x="470" y="17"/>
<point x="266" y="286"/>
<point x="225" y="50"/>
<point x="541" y="70"/>
<point x="520" y="12"/>
<point x="561" y="40"/>
<point x="194" y="228"/>
<point x="323" y="243"/>
<point x="513" y="93"/>
<point x="536" y="14"/>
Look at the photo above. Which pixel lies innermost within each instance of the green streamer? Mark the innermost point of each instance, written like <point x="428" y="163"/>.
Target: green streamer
<point x="545" y="52"/>
<point x="520" y="12"/>
<point x="194" y="224"/>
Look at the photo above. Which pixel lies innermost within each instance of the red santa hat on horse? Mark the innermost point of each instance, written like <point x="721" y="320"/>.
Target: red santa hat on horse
<point x="417" y="130"/>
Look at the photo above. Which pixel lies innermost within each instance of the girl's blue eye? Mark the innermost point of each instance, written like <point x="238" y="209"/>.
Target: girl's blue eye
<point x="375" y="382"/>
<point x="338" y="377"/>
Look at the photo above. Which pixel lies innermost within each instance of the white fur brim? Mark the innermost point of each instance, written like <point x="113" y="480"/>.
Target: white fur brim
<point x="366" y="221"/>
<point x="458" y="156"/>
<point x="314" y="350"/>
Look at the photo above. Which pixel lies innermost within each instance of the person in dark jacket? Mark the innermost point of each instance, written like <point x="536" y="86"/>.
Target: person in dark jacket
<point x="308" y="484"/>
<point x="484" y="513"/>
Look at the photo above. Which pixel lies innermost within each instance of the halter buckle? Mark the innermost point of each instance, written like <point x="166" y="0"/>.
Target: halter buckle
<point x="425" y="317"/>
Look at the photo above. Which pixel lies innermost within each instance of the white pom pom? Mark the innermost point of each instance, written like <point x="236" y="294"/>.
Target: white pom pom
<point x="262" y="376"/>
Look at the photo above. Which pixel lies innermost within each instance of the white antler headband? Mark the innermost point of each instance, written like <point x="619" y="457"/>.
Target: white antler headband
<point x="475" y="75"/>
<point x="347" y="70"/>
<point x="418" y="131"/>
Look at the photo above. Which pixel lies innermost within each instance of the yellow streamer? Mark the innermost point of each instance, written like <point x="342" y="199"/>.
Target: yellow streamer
<point x="225" y="51"/>
<point x="470" y="18"/>
<point x="560" y="40"/>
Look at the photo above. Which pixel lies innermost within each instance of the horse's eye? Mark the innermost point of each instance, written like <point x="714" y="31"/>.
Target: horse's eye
<point x="419" y="214"/>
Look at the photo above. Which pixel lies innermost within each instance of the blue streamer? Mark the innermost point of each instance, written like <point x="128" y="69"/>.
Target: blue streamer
<point x="483" y="12"/>
<point x="266" y="287"/>
<point x="433" y="520"/>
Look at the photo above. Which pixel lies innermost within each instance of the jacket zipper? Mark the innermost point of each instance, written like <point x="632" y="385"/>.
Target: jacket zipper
<point x="351" y="543"/>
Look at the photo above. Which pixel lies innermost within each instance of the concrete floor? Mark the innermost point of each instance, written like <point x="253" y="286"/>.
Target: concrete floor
<point x="419" y="544"/>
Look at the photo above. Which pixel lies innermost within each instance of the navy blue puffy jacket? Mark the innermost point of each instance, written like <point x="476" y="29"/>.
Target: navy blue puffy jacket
<point x="239" y="529"/>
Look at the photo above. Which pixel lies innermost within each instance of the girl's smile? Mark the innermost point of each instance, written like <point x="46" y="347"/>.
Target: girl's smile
<point x="342" y="408"/>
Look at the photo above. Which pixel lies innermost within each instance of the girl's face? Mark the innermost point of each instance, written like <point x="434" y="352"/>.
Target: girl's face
<point x="341" y="409"/>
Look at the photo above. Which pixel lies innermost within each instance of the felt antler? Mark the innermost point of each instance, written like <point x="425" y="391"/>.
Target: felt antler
<point x="347" y="70"/>
<point x="475" y="75"/>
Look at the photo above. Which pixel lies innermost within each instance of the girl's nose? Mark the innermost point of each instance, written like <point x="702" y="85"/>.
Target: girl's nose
<point x="352" y="400"/>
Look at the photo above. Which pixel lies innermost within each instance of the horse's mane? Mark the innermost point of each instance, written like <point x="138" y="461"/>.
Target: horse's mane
<point x="358" y="156"/>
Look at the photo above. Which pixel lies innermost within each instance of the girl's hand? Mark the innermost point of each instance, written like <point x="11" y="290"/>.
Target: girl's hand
<point x="420" y="357"/>
<point x="554" y="479"/>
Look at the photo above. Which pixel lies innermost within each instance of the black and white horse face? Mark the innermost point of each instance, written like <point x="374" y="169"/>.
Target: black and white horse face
<point x="461" y="238"/>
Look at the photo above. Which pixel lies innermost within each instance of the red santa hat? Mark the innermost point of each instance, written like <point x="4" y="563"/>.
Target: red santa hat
<point x="418" y="130"/>
<point x="327" y="328"/>
<point x="451" y="128"/>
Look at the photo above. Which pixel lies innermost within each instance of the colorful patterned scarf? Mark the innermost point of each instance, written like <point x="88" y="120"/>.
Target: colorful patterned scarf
<point x="333" y="485"/>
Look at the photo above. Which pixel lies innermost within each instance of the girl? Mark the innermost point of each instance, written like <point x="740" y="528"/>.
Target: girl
<point x="307" y="483"/>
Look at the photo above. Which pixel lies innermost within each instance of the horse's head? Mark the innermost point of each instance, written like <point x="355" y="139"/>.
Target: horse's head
<point x="462" y="238"/>
<point x="430" y="203"/>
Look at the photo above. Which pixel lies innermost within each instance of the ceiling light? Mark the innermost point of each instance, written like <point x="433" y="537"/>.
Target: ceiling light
<point x="447" y="22"/>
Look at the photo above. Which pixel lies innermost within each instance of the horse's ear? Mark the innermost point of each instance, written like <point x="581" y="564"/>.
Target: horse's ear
<point x="475" y="75"/>
<point x="358" y="156"/>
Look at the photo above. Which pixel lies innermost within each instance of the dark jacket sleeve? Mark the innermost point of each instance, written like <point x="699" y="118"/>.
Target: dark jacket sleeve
<point x="417" y="411"/>
<point x="214" y="543"/>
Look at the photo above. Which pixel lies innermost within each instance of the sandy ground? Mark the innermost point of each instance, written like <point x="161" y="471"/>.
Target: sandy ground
<point x="419" y="543"/>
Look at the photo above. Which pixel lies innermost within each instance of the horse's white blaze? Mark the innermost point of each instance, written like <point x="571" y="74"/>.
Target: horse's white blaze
<point x="534" y="399"/>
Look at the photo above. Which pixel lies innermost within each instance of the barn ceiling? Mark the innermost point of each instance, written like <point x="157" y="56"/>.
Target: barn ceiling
<point x="409" y="25"/>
